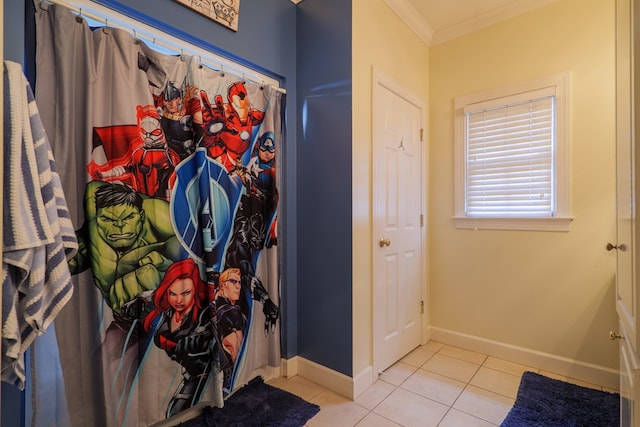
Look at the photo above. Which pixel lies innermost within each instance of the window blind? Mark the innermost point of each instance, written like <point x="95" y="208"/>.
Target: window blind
<point x="510" y="159"/>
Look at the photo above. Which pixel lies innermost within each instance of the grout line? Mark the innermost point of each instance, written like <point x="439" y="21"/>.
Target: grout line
<point x="467" y="384"/>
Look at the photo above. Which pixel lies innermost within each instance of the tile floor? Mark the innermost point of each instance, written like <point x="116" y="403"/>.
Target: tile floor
<point x="435" y="385"/>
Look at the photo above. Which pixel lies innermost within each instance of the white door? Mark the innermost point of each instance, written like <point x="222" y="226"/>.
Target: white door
<point x="398" y="196"/>
<point x="626" y="197"/>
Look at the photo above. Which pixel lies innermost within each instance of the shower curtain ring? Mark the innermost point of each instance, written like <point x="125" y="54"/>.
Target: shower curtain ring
<point x="106" y="28"/>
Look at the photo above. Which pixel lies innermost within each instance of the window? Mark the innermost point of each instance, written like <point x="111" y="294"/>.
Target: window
<point x="512" y="157"/>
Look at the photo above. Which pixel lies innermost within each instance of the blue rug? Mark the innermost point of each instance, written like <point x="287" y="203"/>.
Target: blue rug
<point x="547" y="402"/>
<point x="257" y="405"/>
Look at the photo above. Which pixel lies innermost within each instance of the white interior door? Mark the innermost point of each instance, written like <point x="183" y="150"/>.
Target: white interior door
<point x="626" y="196"/>
<point x="398" y="223"/>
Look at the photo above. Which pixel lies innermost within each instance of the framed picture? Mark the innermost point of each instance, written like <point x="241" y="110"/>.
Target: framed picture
<point x="224" y="12"/>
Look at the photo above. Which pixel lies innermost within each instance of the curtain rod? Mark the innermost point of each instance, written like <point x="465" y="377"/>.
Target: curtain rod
<point x="141" y="31"/>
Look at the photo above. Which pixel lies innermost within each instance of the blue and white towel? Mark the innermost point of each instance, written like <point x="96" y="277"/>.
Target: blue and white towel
<point x="38" y="237"/>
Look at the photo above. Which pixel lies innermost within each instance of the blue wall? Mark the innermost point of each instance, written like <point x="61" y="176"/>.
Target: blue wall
<point x="324" y="184"/>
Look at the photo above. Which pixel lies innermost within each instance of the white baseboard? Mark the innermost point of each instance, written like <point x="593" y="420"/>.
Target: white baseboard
<point x="267" y="372"/>
<point x="548" y="362"/>
<point x="289" y="367"/>
<point x="363" y="381"/>
<point x="321" y="375"/>
<point x="353" y="387"/>
<point x="328" y="378"/>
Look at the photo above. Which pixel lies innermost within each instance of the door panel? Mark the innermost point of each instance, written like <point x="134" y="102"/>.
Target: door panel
<point x="398" y="235"/>
<point x="625" y="298"/>
<point x="627" y="124"/>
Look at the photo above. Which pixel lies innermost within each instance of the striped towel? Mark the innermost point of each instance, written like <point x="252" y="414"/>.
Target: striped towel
<point x="38" y="237"/>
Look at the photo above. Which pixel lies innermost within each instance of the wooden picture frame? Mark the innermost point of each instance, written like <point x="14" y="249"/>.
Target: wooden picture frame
<point x="224" y="12"/>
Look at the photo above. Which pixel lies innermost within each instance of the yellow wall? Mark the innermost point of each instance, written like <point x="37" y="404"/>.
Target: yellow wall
<point x="381" y="40"/>
<point x="552" y="292"/>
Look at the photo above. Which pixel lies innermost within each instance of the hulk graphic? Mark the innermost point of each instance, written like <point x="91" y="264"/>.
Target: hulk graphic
<point x="128" y="243"/>
<point x="127" y="240"/>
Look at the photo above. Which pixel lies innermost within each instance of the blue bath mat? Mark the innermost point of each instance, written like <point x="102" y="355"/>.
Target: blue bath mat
<point x="547" y="402"/>
<point x="257" y="405"/>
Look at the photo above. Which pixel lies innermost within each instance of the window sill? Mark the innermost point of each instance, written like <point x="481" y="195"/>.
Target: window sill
<point x="522" y="224"/>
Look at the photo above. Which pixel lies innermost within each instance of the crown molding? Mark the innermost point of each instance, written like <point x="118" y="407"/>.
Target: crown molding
<point x="412" y="18"/>
<point x="486" y="19"/>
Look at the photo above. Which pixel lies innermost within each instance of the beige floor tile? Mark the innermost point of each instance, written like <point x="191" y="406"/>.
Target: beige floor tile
<point x="432" y="346"/>
<point x="436" y="387"/>
<point x="375" y="420"/>
<point x="455" y="418"/>
<point x="396" y="374"/>
<point x="463" y="354"/>
<point x="453" y="368"/>
<point x="484" y="404"/>
<point x="417" y="357"/>
<point x="410" y="410"/>
<point x="507" y="366"/>
<point x="375" y="394"/>
<point x="496" y="381"/>
<point x="299" y="386"/>
<point x="336" y="411"/>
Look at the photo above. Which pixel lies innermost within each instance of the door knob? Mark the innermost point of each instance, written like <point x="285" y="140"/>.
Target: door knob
<point x="621" y="246"/>
<point x="384" y="242"/>
<point x="614" y="336"/>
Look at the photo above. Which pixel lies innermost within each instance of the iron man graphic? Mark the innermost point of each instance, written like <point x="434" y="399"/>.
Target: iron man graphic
<point x="228" y="128"/>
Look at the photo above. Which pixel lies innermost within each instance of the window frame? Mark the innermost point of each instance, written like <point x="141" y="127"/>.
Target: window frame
<point x="560" y="86"/>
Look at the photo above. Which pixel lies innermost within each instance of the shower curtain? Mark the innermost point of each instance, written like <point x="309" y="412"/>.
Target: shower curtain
<point x="170" y="169"/>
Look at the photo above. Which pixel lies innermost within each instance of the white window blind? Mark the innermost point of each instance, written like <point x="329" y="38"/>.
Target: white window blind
<point x="510" y="149"/>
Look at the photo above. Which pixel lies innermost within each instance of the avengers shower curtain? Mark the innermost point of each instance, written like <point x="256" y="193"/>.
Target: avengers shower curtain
<point x="170" y="173"/>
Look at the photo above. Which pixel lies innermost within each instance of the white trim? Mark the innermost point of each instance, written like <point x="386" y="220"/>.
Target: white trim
<point x="561" y="82"/>
<point x="503" y="13"/>
<point x="363" y="380"/>
<point x="412" y="18"/>
<point x="326" y="377"/>
<point x="267" y="372"/>
<point x="525" y="224"/>
<point x="431" y="37"/>
<point x="289" y="367"/>
<point x="571" y="368"/>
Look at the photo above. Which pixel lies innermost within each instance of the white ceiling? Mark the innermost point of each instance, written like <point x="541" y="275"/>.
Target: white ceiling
<point x="436" y="21"/>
